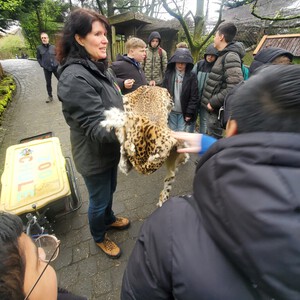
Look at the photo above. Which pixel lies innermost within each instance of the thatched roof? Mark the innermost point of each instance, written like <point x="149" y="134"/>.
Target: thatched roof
<point x="242" y="15"/>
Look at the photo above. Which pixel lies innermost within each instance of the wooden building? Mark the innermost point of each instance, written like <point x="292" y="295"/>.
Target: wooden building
<point x="289" y="42"/>
<point x="136" y="24"/>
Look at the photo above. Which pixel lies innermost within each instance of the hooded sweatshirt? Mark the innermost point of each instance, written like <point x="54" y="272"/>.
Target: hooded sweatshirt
<point x="203" y="67"/>
<point x="156" y="60"/>
<point x="266" y="56"/>
<point x="189" y="89"/>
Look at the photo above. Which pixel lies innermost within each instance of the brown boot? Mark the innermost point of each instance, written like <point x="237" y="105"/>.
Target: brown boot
<point x="120" y="223"/>
<point x="109" y="248"/>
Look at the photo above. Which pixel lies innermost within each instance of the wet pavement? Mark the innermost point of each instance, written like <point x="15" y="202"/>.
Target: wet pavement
<point x="81" y="267"/>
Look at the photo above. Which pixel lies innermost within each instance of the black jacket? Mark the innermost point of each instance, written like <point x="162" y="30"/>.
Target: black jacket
<point x="238" y="238"/>
<point x="125" y="68"/>
<point x="202" y="68"/>
<point x="86" y="91"/>
<point x="45" y="55"/>
<point x="189" y="95"/>
<point x="266" y="56"/>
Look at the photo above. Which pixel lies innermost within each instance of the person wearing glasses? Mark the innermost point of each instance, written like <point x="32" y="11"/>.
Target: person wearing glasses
<point x="25" y="272"/>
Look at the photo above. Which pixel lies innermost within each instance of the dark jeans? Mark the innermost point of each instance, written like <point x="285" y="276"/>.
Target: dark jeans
<point x="214" y="126"/>
<point x="48" y="77"/>
<point x="101" y="188"/>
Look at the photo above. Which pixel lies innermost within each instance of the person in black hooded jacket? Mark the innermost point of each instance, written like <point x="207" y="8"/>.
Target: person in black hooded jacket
<point x="270" y="55"/>
<point x="182" y="85"/>
<point x="202" y="68"/>
<point x="237" y="235"/>
<point x="224" y="75"/>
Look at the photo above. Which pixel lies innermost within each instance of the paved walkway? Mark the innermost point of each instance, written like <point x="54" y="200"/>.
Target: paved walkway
<point x="81" y="267"/>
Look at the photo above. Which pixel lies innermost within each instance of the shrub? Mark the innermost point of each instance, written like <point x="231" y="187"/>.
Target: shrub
<point x="12" y="46"/>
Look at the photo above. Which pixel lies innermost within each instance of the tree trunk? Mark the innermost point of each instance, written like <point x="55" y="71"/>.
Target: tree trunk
<point x="1" y="72"/>
<point x="110" y="8"/>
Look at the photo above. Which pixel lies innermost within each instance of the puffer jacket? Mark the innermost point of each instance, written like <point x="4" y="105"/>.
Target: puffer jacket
<point x="156" y="61"/>
<point x="45" y="55"/>
<point x="86" y="90"/>
<point x="223" y="75"/>
<point x="202" y="68"/>
<point x="125" y="68"/>
<point x="236" y="238"/>
<point x="189" y="95"/>
<point x="266" y="56"/>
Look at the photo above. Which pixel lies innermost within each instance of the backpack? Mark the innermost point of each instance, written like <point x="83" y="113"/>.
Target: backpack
<point x="245" y="70"/>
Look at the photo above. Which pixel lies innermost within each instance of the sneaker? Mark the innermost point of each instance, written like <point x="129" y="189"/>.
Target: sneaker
<point x="109" y="248"/>
<point x="120" y="223"/>
<point x="50" y="99"/>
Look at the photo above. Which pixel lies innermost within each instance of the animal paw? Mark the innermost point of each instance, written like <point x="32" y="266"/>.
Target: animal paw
<point x="125" y="166"/>
<point x="153" y="158"/>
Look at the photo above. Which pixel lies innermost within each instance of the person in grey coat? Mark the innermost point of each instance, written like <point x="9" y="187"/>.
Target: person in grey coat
<point x="224" y="75"/>
<point x="86" y="90"/>
<point x="237" y="235"/>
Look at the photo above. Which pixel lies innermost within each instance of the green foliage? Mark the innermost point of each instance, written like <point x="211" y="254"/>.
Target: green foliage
<point x="10" y="5"/>
<point x="248" y="58"/>
<point x="7" y="86"/>
<point x="44" y="16"/>
<point x="12" y="45"/>
<point x="7" y="10"/>
<point x="296" y="61"/>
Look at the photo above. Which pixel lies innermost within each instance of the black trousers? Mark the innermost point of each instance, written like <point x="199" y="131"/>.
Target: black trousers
<point x="48" y="77"/>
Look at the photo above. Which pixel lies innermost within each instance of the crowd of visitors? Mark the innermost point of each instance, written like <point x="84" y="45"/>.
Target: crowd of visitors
<point x="236" y="236"/>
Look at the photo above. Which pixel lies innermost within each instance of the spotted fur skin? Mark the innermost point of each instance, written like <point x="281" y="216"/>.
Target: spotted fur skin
<point x="144" y="135"/>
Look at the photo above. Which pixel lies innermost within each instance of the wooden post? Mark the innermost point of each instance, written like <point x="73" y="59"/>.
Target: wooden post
<point x="113" y="43"/>
<point x="1" y="72"/>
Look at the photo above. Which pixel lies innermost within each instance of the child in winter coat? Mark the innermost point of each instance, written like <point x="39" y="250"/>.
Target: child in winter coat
<point x="202" y="69"/>
<point x="182" y="85"/>
<point x="156" y="60"/>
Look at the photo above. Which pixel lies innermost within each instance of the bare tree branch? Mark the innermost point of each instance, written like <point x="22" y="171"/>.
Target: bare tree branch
<point x="215" y="27"/>
<point x="181" y="21"/>
<point x="276" y="18"/>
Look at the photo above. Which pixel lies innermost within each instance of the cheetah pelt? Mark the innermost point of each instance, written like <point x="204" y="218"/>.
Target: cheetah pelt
<point x="144" y="135"/>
